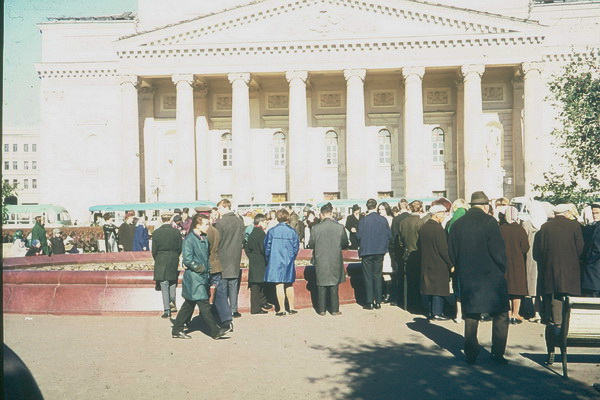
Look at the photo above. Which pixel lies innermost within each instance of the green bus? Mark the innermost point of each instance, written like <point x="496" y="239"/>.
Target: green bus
<point x="23" y="216"/>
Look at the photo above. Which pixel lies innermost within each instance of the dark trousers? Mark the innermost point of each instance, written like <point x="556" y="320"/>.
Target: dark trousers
<point x="334" y="300"/>
<point x="434" y="305"/>
<point x="499" y="334"/>
<point x="590" y="293"/>
<point x="220" y="299"/>
<point x="257" y="296"/>
<point x="556" y="305"/>
<point x="371" y="267"/>
<point x="186" y="311"/>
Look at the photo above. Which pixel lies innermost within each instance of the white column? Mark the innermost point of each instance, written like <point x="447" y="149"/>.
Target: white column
<point x="297" y="145"/>
<point x="414" y="148"/>
<point x="533" y="147"/>
<point x="240" y="132"/>
<point x="357" y="185"/>
<point x="473" y="130"/>
<point x="130" y="171"/>
<point x="185" y="164"/>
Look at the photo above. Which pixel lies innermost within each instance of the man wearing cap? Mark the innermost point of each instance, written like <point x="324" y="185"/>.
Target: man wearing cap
<point x="166" y="249"/>
<point x="126" y="232"/>
<point x="39" y="233"/>
<point x="435" y="264"/>
<point x="352" y="226"/>
<point x="590" y="277"/>
<point x="478" y="252"/>
<point x="374" y="237"/>
<point x="327" y="240"/>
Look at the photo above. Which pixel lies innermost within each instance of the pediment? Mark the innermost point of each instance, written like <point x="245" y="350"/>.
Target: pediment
<point x="277" y="21"/>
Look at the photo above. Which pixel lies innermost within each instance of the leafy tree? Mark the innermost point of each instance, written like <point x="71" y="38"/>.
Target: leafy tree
<point x="9" y="193"/>
<point x="576" y="96"/>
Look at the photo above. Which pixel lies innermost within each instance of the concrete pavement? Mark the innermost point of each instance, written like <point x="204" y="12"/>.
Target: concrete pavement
<point x="382" y="354"/>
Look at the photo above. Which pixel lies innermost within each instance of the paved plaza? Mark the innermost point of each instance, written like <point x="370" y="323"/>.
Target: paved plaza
<point x="384" y="354"/>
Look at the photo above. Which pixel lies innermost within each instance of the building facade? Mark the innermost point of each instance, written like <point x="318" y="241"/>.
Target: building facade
<point x="20" y="163"/>
<point x="303" y="99"/>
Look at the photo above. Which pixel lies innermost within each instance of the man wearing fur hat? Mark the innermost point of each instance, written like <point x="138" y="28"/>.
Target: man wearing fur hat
<point x="477" y="250"/>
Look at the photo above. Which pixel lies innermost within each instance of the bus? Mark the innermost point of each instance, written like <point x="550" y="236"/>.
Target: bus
<point x="151" y="210"/>
<point x="297" y="207"/>
<point x="23" y="216"/>
<point x="344" y="206"/>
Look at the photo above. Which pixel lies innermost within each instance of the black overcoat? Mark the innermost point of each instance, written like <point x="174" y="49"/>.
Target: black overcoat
<point x="435" y="260"/>
<point x="352" y="222"/>
<point x="231" y="228"/>
<point x="559" y="246"/>
<point x="327" y="239"/>
<point x="590" y="277"/>
<point x="517" y="246"/>
<point x="166" y="249"/>
<point x="255" y="250"/>
<point x="126" y="233"/>
<point x="477" y="251"/>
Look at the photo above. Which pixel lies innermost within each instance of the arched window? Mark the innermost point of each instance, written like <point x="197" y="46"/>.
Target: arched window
<point x="331" y="148"/>
<point x="226" y="146"/>
<point x="279" y="149"/>
<point x="438" y="137"/>
<point x="385" y="147"/>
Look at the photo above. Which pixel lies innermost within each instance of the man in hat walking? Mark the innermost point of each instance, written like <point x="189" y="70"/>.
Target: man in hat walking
<point x="478" y="252"/>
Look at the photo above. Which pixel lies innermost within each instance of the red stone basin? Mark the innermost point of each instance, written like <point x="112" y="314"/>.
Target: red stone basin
<point x="38" y="291"/>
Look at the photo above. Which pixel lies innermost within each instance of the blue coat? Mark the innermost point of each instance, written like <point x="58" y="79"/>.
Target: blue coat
<point x="590" y="277"/>
<point x="281" y="248"/>
<point x="197" y="274"/>
<point x="141" y="240"/>
<point x="374" y="235"/>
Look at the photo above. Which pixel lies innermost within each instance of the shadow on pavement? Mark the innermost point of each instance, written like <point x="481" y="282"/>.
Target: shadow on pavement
<point x="391" y="370"/>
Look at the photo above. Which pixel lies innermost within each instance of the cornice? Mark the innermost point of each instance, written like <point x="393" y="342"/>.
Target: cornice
<point x="71" y="73"/>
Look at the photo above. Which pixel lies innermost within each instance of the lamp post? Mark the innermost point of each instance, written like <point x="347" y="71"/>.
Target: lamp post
<point x="156" y="188"/>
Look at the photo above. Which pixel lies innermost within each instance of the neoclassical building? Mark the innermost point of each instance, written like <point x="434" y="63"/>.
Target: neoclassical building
<point x="303" y="99"/>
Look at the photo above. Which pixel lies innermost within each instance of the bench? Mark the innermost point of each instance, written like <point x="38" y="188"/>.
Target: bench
<point x="581" y="328"/>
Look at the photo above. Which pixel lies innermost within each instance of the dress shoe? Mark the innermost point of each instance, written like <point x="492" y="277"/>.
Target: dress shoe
<point x="377" y="306"/>
<point x="368" y="306"/>
<point x="260" y="312"/>
<point x="439" y="318"/>
<point x="322" y="313"/>
<point x="166" y="314"/>
<point x="227" y="326"/>
<point x="180" y="335"/>
<point x="498" y="360"/>
<point x="267" y="306"/>
<point x="336" y="313"/>
<point x="280" y="314"/>
<point x="292" y="312"/>
<point x="220" y="333"/>
<point x="236" y="315"/>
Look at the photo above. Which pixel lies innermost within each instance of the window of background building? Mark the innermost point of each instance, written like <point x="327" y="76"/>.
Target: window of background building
<point x="25" y="164"/>
<point x="439" y="193"/>
<point x="6" y="165"/>
<point x="6" y="181"/>
<point x="15" y="165"/>
<point x="331" y="195"/>
<point x="438" y="137"/>
<point x="15" y="182"/>
<point x="15" y="147"/>
<point x="385" y="195"/>
<point x="385" y="147"/>
<point x="34" y="183"/>
<point x="276" y="197"/>
<point x="34" y="165"/>
<point x="227" y="150"/>
<point x="34" y="147"/>
<point x="26" y="148"/>
<point x="227" y="196"/>
<point x="279" y="149"/>
<point x="26" y="184"/>
<point x="6" y="147"/>
<point x="331" y="148"/>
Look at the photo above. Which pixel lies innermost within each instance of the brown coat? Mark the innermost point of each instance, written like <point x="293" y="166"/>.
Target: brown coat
<point x="213" y="240"/>
<point x="559" y="246"/>
<point x="435" y="261"/>
<point x="517" y="246"/>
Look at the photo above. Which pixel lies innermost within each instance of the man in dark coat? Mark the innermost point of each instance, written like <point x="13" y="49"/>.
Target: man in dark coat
<point x="166" y="249"/>
<point x="408" y="237"/>
<point x="231" y="229"/>
<point x="327" y="240"/>
<point x="352" y="226"/>
<point x="257" y="265"/>
<point x="590" y="277"/>
<point x="39" y="233"/>
<point x="435" y="264"/>
<point x="127" y="232"/>
<point x="559" y="247"/>
<point x="477" y="250"/>
<point x="374" y="238"/>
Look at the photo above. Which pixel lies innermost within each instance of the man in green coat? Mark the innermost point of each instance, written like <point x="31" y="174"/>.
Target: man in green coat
<point x="166" y="249"/>
<point x="39" y="233"/>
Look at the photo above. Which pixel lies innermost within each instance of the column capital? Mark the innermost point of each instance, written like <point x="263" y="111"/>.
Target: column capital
<point x="294" y="75"/>
<point x="529" y="66"/>
<point x="187" y="78"/>
<point x="201" y="88"/>
<point x="468" y="69"/>
<point x="352" y="73"/>
<point x="129" y="79"/>
<point x="409" y="71"/>
<point x="239" y="76"/>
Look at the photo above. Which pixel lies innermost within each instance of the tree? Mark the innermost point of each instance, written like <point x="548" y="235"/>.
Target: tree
<point x="9" y="193"/>
<point x="576" y="96"/>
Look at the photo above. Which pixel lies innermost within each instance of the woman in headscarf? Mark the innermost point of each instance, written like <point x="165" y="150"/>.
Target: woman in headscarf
<point x="517" y="246"/>
<point x="532" y="221"/>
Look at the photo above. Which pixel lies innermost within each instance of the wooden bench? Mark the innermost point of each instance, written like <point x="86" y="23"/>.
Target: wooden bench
<point x="581" y="328"/>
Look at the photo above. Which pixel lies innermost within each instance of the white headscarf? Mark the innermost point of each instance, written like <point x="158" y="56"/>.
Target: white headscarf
<point x="537" y="214"/>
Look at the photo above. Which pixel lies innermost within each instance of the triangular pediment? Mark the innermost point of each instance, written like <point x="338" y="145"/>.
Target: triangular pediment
<point x="275" y="21"/>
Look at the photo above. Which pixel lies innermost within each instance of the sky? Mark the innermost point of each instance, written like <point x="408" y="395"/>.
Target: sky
<point x="22" y="49"/>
